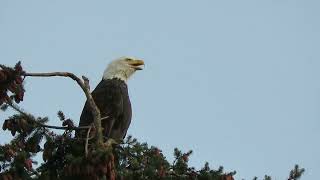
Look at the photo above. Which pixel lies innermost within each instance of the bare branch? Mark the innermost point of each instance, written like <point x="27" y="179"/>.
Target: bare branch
<point x="31" y="118"/>
<point x="87" y="141"/>
<point x="86" y="82"/>
<point x="104" y="118"/>
<point x="95" y="110"/>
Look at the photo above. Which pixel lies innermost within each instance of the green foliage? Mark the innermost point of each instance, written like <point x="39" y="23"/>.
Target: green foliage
<point x="64" y="158"/>
<point x="296" y="173"/>
<point x="266" y="177"/>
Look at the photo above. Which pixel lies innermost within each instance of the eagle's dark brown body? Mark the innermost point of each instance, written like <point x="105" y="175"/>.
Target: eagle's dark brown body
<point x="111" y="97"/>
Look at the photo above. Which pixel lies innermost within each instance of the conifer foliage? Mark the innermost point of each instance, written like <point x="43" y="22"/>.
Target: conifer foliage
<point x="67" y="157"/>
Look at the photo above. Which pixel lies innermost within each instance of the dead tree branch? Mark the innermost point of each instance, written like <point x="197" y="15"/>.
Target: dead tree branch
<point x="87" y="142"/>
<point x="84" y="84"/>
<point x="33" y="120"/>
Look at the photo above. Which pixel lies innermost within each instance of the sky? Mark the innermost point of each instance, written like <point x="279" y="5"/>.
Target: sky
<point x="235" y="81"/>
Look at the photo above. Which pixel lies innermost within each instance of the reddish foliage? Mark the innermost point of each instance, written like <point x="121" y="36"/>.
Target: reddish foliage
<point x="90" y="171"/>
<point x="161" y="172"/>
<point x="227" y="177"/>
<point x="157" y="152"/>
<point x="28" y="164"/>
<point x="18" y="67"/>
<point x="185" y="157"/>
<point x="6" y="176"/>
<point x="11" y="79"/>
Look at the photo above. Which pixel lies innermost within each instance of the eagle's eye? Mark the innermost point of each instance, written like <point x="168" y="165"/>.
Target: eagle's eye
<point x="128" y="59"/>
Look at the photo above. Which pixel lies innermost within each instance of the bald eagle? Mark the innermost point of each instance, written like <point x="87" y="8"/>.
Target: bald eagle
<point x="112" y="98"/>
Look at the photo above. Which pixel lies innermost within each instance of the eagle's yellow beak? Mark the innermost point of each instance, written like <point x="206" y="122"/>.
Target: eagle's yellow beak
<point x="136" y="64"/>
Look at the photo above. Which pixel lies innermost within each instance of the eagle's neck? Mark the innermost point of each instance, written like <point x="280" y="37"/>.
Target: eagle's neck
<point x="122" y="75"/>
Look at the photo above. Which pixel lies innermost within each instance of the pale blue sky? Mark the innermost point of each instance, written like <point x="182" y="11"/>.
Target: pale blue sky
<point x="236" y="81"/>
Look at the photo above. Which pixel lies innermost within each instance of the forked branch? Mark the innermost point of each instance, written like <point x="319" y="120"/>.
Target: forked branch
<point x="84" y="84"/>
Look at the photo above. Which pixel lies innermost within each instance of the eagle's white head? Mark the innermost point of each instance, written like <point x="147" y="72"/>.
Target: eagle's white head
<point x="122" y="68"/>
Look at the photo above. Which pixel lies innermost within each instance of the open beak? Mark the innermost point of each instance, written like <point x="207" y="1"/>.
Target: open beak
<point x="136" y="64"/>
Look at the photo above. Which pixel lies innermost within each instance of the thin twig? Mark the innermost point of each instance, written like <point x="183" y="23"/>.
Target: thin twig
<point x="85" y="88"/>
<point x="104" y="118"/>
<point x="174" y="163"/>
<point x="86" y="82"/>
<point x="87" y="141"/>
<point x="31" y="118"/>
